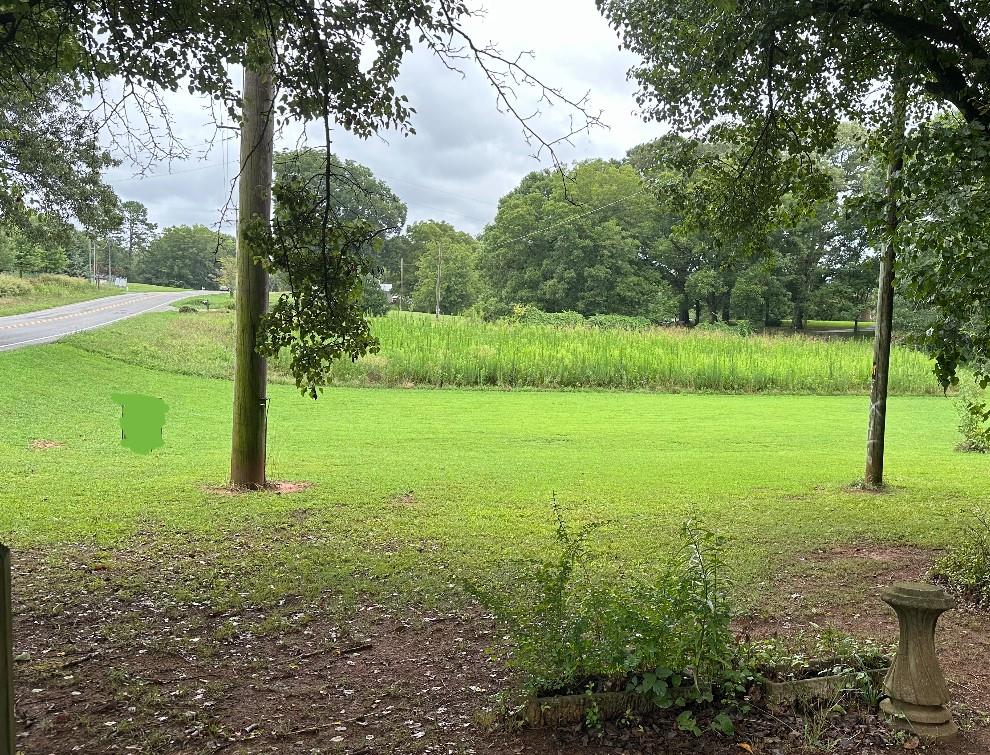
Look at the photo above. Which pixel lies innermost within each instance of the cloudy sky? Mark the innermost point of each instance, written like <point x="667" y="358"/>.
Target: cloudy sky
<point x="465" y="154"/>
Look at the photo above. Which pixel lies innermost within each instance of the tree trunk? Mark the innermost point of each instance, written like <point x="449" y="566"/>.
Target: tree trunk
<point x="247" y="456"/>
<point x="6" y="657"/>
<point x="684" y="312"/>
<point x="885" y="297"/>
<point x="798" y="320"/>
<point x="697" y="311"/>
<point x="726" y="313"/>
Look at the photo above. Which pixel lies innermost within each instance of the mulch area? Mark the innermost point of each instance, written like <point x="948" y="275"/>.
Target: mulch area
<point x="106" y="668"/>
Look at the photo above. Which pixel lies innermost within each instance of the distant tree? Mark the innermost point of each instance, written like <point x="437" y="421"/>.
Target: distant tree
<point x="184" y="256"/>
<point x="398" y="257"/>
<point x="374" y="300"/>
<point x="132" y="239"/>
<point x="759" y="297"/>
<point x="458" y="260"/>
<point x="847" y="296"/>
<point x="665" y="306"/>
<point x="227" y="272"/>
<point x="40" y="243"/>
<point x="706" y="287"/>
<point x="355" y="195"/>
<point x="6" y="249"/>
<point x="27" y="256"/>
<point x="584" y="244"/>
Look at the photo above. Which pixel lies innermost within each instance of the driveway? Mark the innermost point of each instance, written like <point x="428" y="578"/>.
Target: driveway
<point x="51" y="324"/>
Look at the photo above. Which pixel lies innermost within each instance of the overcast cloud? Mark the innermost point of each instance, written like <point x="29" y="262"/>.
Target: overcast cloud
<point x="465" y="154"/>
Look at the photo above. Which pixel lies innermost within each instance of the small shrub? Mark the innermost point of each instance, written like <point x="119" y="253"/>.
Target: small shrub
<point x="11" y="286"/>
<point x="524" y="314"/>
<point x="186" y="309"/>
<point x="966" y="565"/>
<point x="619" y="322"/>
<point x="53" y="280"/>
<point x="742" y="328"/>
<point x="230" y="305"/>
<point x="974" y="419"/>
<point x="573" y="631"/>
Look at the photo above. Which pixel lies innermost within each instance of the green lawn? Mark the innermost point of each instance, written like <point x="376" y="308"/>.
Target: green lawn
<point x="830" y="324"/>
<point x="416" y="489"/>
<point x="53" y="291"/>
<point x="216" y="300"/>
<point x="150" y="288"/>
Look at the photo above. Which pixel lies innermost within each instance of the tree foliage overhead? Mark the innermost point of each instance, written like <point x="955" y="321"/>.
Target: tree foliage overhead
<point x="783" y="74"/>
<point x="50" y="156"/>
<point x="808" y="63"/>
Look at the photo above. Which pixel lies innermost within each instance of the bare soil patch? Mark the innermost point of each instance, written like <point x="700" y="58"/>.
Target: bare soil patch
<point x="278" y="487"/>
<point x="114" y="662"/>
<point x="40" y="444"/>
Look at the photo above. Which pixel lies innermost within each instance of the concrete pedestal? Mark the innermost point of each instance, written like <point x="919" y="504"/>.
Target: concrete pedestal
<point x="917" y="694"/>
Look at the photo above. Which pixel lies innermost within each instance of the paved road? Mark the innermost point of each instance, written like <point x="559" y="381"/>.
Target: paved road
<point x="51" y="324"/>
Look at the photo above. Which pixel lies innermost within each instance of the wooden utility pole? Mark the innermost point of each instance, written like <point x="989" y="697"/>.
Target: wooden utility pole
<point x="247" y="455"/>
<point x="439" y="258"/>
<point x="6" y="657"/>
<point x="885" y="297"/>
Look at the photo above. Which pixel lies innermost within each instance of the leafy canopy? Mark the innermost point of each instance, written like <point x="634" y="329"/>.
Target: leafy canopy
<point x="783" y="74"/>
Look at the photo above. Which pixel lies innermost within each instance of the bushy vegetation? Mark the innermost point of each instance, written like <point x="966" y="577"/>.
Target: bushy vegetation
<point x="46" y="290"/>
<point x="974" y="418"/>
<point x="422" y="350"/>
<point x="966" y="565"/>
<point x="668" y="638"/>
<point x="13" y="286"/>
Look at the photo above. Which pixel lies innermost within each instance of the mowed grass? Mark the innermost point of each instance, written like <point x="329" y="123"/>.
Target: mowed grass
<point x="420" y="350"/>
<point x="831" y="324"/>
<point x="151" y="288"/>
<point x="416" y="490"/>
<point x="49" y="291"/>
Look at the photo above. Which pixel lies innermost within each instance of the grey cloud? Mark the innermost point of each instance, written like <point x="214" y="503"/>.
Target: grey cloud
<point x="465" y="154"/>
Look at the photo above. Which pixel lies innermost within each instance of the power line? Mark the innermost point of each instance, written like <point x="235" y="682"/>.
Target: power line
<point x="567" y="220"/>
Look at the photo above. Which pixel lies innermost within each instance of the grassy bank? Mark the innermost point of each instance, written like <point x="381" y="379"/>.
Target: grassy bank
<point x="150" y="288"/>
<point x="419" y="350"/>
<point x="19" y="295"/>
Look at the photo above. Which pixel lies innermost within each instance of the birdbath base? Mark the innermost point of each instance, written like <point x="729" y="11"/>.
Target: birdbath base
<point x="924" y="721"/>
<point x="917" y="696"/>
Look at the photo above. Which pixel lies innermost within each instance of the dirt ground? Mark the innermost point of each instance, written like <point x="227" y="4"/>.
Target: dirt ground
<point x="102" y="668"/>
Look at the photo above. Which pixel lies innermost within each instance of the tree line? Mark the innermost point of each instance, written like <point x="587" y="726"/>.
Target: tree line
<point x="613" y="237"/>
<point x="182" y="256"/>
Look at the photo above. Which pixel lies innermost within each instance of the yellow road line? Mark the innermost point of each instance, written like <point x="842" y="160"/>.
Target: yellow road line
<point x="43" y="320"/>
